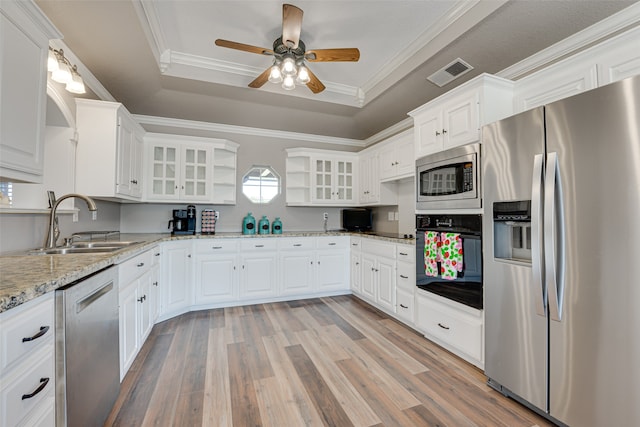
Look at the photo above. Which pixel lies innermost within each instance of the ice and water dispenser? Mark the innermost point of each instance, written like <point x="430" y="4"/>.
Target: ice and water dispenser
<point x="512" y="230"/>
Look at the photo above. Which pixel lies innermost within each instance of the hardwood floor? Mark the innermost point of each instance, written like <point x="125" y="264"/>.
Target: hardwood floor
<point x="332" y="361"/>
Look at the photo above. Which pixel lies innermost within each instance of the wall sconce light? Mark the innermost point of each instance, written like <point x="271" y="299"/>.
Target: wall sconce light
<point x="62" y="71"/>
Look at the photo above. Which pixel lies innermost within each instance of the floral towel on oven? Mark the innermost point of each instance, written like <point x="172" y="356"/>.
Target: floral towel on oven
<point x="431" y="253"/>
<point x="450" y="255"/>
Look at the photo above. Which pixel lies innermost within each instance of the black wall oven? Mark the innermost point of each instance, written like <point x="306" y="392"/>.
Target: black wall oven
<point x="449" y="257"/>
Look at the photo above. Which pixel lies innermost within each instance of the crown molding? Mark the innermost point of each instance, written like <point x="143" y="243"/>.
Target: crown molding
<point x="244" y="130"/>
<point x="606" y="28"/>
<point x="37" y="17"/>
<point x="148" y="17"/>
<point x="392" y="130"/>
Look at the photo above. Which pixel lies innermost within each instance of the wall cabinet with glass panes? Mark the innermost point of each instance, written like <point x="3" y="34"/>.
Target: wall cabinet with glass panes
<point x="181" y="168"/>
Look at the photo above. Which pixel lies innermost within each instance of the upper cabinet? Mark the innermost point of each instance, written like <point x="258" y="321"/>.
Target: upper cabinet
<point x="24" y="45"/>
<point x="397" y="159"/>
<point x="321" y="177"/>
<point x="190" y="169"/>
<point x="110" y="151"/>
<point x="455" y="118"/>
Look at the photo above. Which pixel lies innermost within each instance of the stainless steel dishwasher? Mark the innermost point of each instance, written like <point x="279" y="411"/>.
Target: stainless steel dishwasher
<point x="87" y="350"/>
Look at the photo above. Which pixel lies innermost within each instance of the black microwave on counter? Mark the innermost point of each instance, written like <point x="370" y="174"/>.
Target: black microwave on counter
<point x="357" y="219"/>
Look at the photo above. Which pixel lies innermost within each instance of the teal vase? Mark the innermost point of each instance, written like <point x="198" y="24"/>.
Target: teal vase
<point x="263" y="225"/>
<point x="276" y="226"/>
<point x="249" y="224"/>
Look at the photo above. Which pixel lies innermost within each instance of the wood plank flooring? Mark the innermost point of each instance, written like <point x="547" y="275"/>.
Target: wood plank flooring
<point x="320" y="362"/>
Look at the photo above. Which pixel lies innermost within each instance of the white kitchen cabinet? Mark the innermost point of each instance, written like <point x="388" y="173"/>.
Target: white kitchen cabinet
<point x="297" y="259"/>
<point x="379" y="273"/>
<point x="454" y="326"/>
<point x="321" y="177"/>
<point x="372" y="191"/>
<point x="177" y="272"/>
<point x="216" y="271"/>
<point x="455" y="118"/>
<point x="137" y="306"/>
<point x="258" y="275"/>
<point x="332" y="266"/>
<point x="397" y="157"/>
<point x="183" y="168"/>
<point x="109" y="153"/>
<point x="405" y="283"/>
<point x="356" y="265"/>
<point x="28" y="367"/>
<point x="24" y="42"/>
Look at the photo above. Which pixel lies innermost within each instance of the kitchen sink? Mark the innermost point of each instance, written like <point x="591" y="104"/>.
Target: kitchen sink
<point x="83" y="248"/>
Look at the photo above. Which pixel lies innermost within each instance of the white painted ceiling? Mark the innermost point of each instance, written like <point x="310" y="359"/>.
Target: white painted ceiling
<point x="158" y="57"/>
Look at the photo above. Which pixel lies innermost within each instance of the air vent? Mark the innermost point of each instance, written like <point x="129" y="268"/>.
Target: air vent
<point x="450" y="72"/>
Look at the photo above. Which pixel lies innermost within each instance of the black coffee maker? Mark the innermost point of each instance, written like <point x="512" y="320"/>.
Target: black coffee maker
<point x="184" y="221"/>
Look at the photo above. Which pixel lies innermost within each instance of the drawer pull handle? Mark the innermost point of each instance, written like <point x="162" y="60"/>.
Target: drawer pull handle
<point x="43" y="330"/>
<point x="158" y="254"/>
<point x="332" y="244"/>
<point x="404" y="277"/>
<point x="43" y="384"/>
<point x="140" y="264"/>
<point x="403" y="306"/>
<point x="443" y="326"/>
<point x="216" y="247"/>
<point x="297" y="244"/>
<point x="403" y="254"/>
<point x="259" y="246"/>
<point x="155" y="283"/>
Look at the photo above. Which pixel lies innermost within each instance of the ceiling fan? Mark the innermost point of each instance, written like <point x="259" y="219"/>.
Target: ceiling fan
<point x="290" y="54"/>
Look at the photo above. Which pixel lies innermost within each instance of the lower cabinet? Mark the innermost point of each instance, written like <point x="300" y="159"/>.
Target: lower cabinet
<point x="258" y="272"/>
<point x="216" y="271"/>
<point x="177" y="271"/>
<point x="297" y="260"/>
<point x="332" y="263"/>
<point x="379" y="274"/>
<point x="454" y="326"/>
<point x="356" y="265"/>
<point x="27" y="367"/>
<point x="406" y="283"/>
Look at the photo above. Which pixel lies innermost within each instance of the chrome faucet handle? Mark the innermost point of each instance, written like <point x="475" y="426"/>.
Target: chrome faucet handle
<point x="68" y="241"/>
<point x="56" y="230"/>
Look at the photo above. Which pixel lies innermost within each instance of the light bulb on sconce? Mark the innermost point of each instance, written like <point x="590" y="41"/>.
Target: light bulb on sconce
<point x="62" y="71"/>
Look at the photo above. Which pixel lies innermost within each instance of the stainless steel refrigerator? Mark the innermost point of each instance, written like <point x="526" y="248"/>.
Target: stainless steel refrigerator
<point x="561" y="243"/>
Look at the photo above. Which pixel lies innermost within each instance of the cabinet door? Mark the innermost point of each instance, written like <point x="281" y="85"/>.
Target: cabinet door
<point x="137" y="165"/>
<point x="258" y="275"/>
<point x="323" y="180"/>
<point x="461" y="121"/>
<point x="216" y="278"/>
<point x="332" y="270"/>
<point x="196" y="173"/>
<point x="369" y="277"/>
<point x="176" y="277"/>
<point x="124" y="150"/>
<point x="296" y="272"/>
<point x="386" y="276"/>
<point x="356" y="272"/>
<point x="370" y="179"/>
<point x="164" y="172"/>
<point x="146" y="319"/>
<point x="154" y="293"/>
<point x="405" y="156"/>
<point x="344" y="181"/>
<point x="388" y="162"/>
<point x="428" y="132"/>
<point x="128" y="313"/>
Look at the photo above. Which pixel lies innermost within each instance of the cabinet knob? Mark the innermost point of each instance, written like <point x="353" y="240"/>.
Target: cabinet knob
<point x="437" y="133"/>
<point x="444" y="131"/>
<point x="189" y="256"/>
<point x="155" y="283"/>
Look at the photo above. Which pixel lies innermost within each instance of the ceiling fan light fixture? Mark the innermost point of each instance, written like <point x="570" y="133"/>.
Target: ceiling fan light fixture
<point x="303" y="75"/>
<point x="288" y="66"/>
<point x="275" y="75"/>
<point x="288" y="83"/>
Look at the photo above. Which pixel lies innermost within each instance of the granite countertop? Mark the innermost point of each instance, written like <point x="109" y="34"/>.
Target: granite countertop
<point x="24" y="277"/>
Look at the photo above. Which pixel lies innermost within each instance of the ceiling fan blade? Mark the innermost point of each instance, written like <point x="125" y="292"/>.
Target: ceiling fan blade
<point x="243" y="47"/>
<point x="291" y="25"/>
<point x="314" y="84"/>
<point x="333" y="55"/>
<point x="261" y="79"/>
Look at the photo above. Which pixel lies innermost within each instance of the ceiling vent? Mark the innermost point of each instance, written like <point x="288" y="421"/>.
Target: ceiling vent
<point x="449" y="72"/>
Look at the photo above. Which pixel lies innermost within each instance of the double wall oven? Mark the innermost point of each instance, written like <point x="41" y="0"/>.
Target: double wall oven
<point x="461" y="279"/>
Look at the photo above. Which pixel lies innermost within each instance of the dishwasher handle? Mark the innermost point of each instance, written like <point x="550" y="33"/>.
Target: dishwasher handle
<point x="90" y="299"/>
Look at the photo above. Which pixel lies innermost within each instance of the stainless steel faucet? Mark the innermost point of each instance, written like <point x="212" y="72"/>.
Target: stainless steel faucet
<point x="54" y="232"/>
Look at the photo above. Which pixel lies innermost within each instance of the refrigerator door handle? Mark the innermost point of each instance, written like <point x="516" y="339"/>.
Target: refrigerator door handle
<point x="554" y="237"/>
<point x="537" y="236"/>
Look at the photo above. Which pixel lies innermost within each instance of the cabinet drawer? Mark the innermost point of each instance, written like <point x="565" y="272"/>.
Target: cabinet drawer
<point x="386" y="250"/>
<point x="156" y="254"/>
<point x="35" y="372"/>
<point x="406" y="253"/>
<point x="306" y="243"/>
<point x="133" y="268"/>
<point x="258" y="244"/>
<point x="209" y="246"/>
<point x="456" y="328"/>
<point x="405" y="306"/>
<point x="335" y="242"/>
<point x="356" y="243"/>
<point x="35" y="320"/>
<point x="406" y="276"/>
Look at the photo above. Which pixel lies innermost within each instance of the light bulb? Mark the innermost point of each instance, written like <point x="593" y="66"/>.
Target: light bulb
<point x="275" y="76"/>
<point x="288" y="83"/>
<point x="303" y="75"/>
<point x="289" y="67"/>
<point x="76" y="85"/>
<point x="62" y="74"/>
<point x="52" y="61"/>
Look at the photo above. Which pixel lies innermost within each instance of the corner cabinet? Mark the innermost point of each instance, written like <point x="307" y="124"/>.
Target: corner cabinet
<point x="24" y="42"/>
<point x="190" y="169"/>
<point x="455" y="118"/>
<point x="321" y="177"/>
<point x="109" y="161"/>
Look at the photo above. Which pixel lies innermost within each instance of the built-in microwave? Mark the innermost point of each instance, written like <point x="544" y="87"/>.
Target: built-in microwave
<point x="449" y="179"/>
